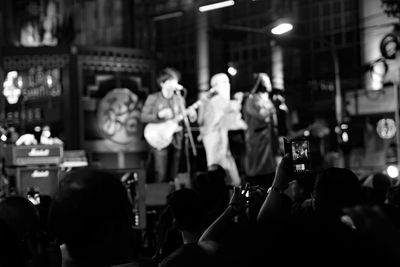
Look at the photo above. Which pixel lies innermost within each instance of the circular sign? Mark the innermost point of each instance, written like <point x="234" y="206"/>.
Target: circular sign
<point x="389" y="46"/>
<point x="118" y="115"/>
<point x="386" y="128"/>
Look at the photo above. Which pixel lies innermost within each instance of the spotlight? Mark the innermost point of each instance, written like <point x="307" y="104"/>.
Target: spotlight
<point x="392" y="171"/>
<point x="232" y="71"/>
<point x="281" y="26"/>
<point x="216" y="6"/>
<point x="378" y="70"/>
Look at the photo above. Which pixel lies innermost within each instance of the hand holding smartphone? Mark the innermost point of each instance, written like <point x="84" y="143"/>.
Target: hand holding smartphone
<point x="299" y="150"/>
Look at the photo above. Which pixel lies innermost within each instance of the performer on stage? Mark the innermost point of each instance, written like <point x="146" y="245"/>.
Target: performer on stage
<point x="261" y="136"/>
<point x="160" y="107"/>
<point x="217" y="116"/>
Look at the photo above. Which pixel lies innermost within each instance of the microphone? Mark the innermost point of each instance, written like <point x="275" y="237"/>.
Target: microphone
<point x="179" y="87"/>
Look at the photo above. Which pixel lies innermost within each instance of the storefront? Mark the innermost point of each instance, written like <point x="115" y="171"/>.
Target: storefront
<point x="90" y="98"/>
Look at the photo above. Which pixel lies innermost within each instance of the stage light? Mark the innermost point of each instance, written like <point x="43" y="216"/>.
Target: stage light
<point x="218" y="5"/>
<point x="232" y="71"/>
<point x="281" y="27"/>
<point x="378" y="70"/>
<point x="345" y="137"/>
<point x="392" y="171"/>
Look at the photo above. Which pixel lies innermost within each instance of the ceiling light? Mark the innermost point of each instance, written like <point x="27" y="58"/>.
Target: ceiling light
<point x="222" y="4"/>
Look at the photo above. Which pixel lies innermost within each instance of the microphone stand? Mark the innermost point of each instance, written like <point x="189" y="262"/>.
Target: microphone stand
<point x="188" y="133"/>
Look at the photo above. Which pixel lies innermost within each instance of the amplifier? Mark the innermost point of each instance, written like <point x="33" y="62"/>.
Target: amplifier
<point x="41" y="179"/>
<point x="33" y="155"/>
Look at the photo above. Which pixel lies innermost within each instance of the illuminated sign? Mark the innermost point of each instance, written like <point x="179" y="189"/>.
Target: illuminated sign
<point x="32" y="84"/>
<point x="40" y="174"/>
<point x="11" y="89"/>
<point x="39" y="152"/>
<point x="39" y="82"/>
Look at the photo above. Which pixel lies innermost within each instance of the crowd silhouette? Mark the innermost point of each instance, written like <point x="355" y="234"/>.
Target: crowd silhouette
<point x="330" y="217"/>
<point x="267" y="217"/>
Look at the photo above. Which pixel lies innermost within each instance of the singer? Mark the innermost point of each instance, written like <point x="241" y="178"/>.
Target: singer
<point x="161" y="107"/>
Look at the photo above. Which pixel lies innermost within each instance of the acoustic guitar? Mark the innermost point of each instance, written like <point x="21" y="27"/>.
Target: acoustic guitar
<point x="159" y="135"/>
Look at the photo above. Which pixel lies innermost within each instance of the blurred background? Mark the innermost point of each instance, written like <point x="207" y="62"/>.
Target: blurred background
<point x="66" y="65"/>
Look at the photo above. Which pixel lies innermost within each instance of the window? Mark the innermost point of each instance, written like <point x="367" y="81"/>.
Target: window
<point x="336" y="7"/>
<point x="315" y="11"/>
<point x="349" y="5"/>
<point x="337" y="22"/>
<point x="315" y="26"/>
<point x="245" y="54"/>
<point x="349" y="20"/>
<point x="337" y="38"/>
<point x="326" y="9"/>
<point x="326" y="25"/>
<point x="254" y="53"/>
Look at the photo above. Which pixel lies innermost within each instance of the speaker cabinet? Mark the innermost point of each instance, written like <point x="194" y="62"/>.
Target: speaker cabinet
<point x="41" y="179"/>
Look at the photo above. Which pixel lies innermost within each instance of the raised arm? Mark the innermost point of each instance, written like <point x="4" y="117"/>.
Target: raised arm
<point x="210" y="240"/>
<point x="277" y="204"/>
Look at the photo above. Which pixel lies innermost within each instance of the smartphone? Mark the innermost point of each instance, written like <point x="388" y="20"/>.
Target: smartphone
<point x="299" y="150"/>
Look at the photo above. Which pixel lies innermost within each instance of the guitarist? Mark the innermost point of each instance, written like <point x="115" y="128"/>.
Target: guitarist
<point x="160" y="107"/>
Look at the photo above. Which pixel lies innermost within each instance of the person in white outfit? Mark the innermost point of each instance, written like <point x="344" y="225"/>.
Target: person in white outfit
<point x="216" y="117"/>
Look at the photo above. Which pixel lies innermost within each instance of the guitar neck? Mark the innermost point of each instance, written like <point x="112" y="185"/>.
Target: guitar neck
<point x="197" y="104"/>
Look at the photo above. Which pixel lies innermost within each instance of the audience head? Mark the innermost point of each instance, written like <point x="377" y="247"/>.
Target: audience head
<point x="213" y="190"/>
<point x="302" y="188"/>
<point x="211" y="185"/>
<point x="23" y="219"/>
<point x="11" y="251"/>
<point x="335" y="189"/>
<point x="381" y="184"/>
<point x="21" y="215"/>
<point x="187" y="210"/>
<point x="91" y="214"/>
<point x="393" y="196"/>
<point x="217" y="172"/>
